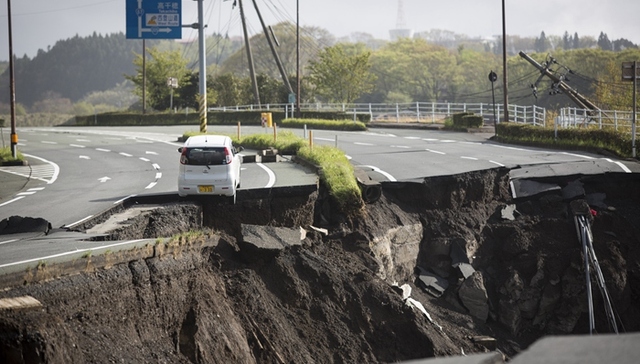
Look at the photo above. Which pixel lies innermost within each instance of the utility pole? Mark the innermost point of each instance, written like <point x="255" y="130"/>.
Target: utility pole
<point x="283" y="74"/>
<point x="580" y="100"/>
<point x="252" y="71"/>
<point x="12" y="89"/>
<point x="203" y="69"/>
<point x="505" y="79"/>
<point x="298" y="58"/>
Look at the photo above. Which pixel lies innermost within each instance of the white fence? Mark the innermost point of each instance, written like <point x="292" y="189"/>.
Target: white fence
<point x="421" y="112"/>
<point x="571" y="117"/>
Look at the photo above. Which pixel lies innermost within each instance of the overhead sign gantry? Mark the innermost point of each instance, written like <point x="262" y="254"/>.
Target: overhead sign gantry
<point x="154" y="19"/>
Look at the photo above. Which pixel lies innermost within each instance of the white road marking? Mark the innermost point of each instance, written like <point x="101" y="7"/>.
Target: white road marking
<point x="325" y="139"/>
<point x="72" y="252"/>
<point x="36" y="189"/>
<point x="103" y="150"/>
<point x="386" y="174"/>
<point x="150" y="152"/>
<point x="84" y="157"/>
<point x="158" y="175"/>
<point x="104" y="179"/>
<point x="151" y="185"/>
<point x="435" y="151"/>
<point x="400" y="146"/>
<point x="83" y="140"/>
<point x="577" y="155"/>
<point x="56" y="169"/>
<point x="511" y="148"/>
<point x="156" y="166"/>
<point x="122" y="199"/>
<point x="620" y="164"/>
<point x="494" y="162"/>
<point x="448" y="141"/>
<point x="77" y="146"/>
<point x="144" y="159"/>
<point x="365" y="144"/>
<point x="10" y="201"/>
<point x="412" y="138"/>
<point x="26" y="193"/>
<point x="8" y="241"/>
<point x="430" y="139"/>
<point x="470" y="158"/>
<point x="48" y="142"/>
<point x="125" y="154"/>
<point x="78" y="222"/>
<point x="272" y="176"/>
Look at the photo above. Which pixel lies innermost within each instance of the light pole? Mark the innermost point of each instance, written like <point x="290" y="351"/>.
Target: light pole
<point x="504" y="63"/>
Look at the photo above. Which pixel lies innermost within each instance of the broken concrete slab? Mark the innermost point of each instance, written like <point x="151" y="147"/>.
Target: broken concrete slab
<point x="521" y="188"/>
<point x="573" y="190"/>
<point x="432" y="283"/>
<point x="465" y="269"/>
<point x="266" y="241"/>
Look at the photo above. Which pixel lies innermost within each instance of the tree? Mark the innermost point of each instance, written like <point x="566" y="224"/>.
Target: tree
<point x="159" y="67"/>
<point x="542" y="44"/>
<point x="341" y="77"/>
<point x="576" y="41"/>
<point x="567" y="41"/>
<point x="604" y="43"/>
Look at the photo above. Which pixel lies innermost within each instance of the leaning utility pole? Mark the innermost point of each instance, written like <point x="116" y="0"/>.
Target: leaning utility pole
<point x="580" y="100"/>
<point x="252" y="71"/>
<point x="283" y="74"/>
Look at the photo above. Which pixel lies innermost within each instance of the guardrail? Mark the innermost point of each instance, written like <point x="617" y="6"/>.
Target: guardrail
<point x="432" y="112"/>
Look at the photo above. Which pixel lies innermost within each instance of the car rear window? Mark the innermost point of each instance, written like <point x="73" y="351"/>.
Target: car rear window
<point x="205" y="156"/>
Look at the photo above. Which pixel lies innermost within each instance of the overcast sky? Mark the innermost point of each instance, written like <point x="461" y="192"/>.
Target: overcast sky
<point x="39" y="24"/>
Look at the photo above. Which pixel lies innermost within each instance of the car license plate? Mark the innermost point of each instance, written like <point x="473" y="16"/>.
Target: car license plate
<point x="205" y="189"/>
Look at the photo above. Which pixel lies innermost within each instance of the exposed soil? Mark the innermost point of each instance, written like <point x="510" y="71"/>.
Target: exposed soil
<point x="332" y="298"/>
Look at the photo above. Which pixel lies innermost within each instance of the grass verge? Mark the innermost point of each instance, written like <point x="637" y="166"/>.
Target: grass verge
<point x="7" y="157"/>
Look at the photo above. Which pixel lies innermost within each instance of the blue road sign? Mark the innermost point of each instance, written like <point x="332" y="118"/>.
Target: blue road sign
<point x="154" y="19"/>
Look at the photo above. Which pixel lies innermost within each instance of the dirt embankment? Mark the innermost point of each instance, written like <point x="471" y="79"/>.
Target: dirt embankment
<point x="331" y="298"/>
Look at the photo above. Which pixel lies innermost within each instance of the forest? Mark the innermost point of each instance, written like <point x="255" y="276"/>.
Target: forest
<point x="100" y="73"/>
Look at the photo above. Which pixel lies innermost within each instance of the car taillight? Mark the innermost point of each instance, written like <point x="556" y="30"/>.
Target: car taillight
<point x="183" y="157"/>
<point x="227" y="156"/>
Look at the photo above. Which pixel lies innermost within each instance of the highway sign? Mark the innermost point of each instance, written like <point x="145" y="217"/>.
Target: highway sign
<point x="154" y="19"/>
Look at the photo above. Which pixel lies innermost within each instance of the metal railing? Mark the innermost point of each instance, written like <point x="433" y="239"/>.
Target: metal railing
<point x="420" y="112"/>
<point x="571" y="117"/>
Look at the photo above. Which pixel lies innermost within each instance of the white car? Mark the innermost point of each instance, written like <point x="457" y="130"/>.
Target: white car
<point x="209" y="165"/>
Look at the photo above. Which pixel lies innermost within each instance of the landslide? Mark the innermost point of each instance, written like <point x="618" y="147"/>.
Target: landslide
<point x="334" y="297"/>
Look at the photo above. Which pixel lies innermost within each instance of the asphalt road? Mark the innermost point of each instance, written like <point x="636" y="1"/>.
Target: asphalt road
<point x="76" y="173"/>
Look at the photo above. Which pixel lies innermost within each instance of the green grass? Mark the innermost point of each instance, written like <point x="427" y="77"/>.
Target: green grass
<point x="6" y="155"/>
<point x="348" y="125"/>
<point x="588" y="139"/>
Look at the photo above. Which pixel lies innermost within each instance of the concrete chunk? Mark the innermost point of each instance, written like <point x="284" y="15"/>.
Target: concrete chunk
<point x="432" y="283"/>
<point x="19" y="303"/>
